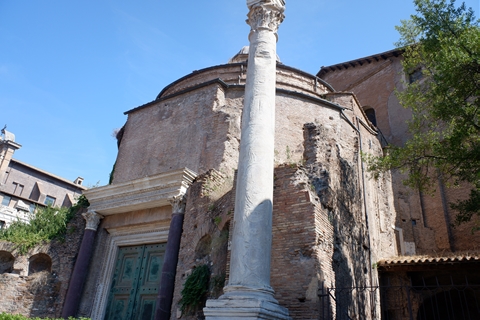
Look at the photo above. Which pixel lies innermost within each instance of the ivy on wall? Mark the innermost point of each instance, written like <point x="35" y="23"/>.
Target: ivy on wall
<point x="195" y="289"/>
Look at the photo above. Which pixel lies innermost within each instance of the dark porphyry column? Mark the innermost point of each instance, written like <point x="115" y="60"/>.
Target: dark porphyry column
<point x="79" y="275"/>
<point x="169" y="270"/>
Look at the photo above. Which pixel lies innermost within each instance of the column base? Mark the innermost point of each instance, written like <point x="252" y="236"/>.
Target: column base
<point x="245" y="306"/>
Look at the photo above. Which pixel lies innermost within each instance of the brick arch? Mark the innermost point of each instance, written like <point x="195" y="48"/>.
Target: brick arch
<point x="7" y="261"/>
<point x="39" y="262"/>
<point x="8" y="246"/>
<point x="203" y="247"/>
<point x="49" y="251"/>
<point x="225" y="224"/>
<point x="202" y="231"/>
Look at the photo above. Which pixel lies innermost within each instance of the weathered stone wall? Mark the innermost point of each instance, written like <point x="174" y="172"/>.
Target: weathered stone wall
<point x="185" y="131"/>
<point x="41" y="294"/>
<point x="34" y="296"/>
<point x="301" y="256"/>
<point x="373" y="84"/>
<point x="322" y="199"/>
<point x="295" y="249"/>
<point x="334" y="171"/>
<point x="205" y="238"/>
<point x="320" y="232"/>
<point x="424" y="219"/>
<point x="204" y="130"/>
<point x="197" y="124"/>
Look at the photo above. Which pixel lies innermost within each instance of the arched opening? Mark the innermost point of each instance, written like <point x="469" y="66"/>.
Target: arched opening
<point x="370" y="113"/>
<point x="204" y="246"/>
<point x="6" y="262"/>
<point x="39" y="262"/>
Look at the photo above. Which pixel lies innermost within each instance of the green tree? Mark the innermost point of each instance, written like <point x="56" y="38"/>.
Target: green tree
<point x="46" y="224"/>
<point x="442" y="45"/>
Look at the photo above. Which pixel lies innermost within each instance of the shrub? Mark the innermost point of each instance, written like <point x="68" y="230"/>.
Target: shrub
<point x="195" y="289"/>
<point x="46" y="224"/>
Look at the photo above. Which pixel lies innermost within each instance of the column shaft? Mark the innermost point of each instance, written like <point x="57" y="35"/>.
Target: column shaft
<point x="252" y="236"/>
<point x="169" y="269"/>
<point x="167" y="282"/>
<point x="80" y="271"/>
<point x="248" y="294"/>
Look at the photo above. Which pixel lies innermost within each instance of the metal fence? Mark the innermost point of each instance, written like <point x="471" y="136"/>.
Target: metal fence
<point x="424" y="299"/>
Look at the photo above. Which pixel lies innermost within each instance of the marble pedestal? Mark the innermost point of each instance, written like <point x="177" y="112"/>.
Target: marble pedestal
<point x="244" y="305"/>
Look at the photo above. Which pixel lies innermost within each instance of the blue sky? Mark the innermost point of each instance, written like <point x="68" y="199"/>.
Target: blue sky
<point x="69" y="69"/>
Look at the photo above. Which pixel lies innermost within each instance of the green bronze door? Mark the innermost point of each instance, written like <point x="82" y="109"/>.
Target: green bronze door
<point x="135" y="282"/>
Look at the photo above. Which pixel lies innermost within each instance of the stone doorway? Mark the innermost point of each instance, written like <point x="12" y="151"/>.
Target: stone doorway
<point x="135" y="282"/>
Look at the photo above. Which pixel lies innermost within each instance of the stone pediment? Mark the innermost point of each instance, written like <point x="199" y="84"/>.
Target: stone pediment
<point x="144" y="193"/>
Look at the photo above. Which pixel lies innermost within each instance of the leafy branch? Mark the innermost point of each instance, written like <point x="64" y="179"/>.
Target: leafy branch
<point x="46" y="224"/>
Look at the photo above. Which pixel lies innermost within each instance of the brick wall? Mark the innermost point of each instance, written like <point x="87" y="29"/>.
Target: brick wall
<point x="425" y="219"/>
<point x="312" y="245"/>
<point x="209" y="208"/>
<point x="298" y="262"/>
<point x="41" y="294"/>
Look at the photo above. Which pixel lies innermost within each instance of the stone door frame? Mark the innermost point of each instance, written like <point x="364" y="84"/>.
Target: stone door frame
<point x="119" y="238"/>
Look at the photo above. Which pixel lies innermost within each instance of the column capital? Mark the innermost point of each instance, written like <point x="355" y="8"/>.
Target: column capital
<point x="265" y="14"/>
<point x="278" y="3"/>
<point x="93" y="220"/>
<point x="178" y="204"/>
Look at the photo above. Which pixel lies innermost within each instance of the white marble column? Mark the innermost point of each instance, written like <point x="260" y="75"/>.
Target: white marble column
<point x="248" y="294"/>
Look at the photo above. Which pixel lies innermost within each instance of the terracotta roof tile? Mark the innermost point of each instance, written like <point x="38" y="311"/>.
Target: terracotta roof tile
<point x="417" y="260"/>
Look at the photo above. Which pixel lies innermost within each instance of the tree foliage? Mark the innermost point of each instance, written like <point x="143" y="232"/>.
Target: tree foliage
<point x="7" y="316"/>
<point x="46" y="224"/>
<point x="442" y="41"/>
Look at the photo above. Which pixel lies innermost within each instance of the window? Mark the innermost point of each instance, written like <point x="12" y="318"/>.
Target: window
<point x="6" y="201"/>
<point x="78" y="181"/>
<point x="32" y="207"/>
<point x="17" y="188"/>
<point x="5" y="177"/>
<point x="2" y="224"/>
<point x="22" y="206"/>
<point x="370" y="113"/>
<point x="415" y="75"/>
<point x="50" y="201"/>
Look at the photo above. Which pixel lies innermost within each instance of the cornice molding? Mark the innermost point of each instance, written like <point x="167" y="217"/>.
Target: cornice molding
<point x="144" y="193"/>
